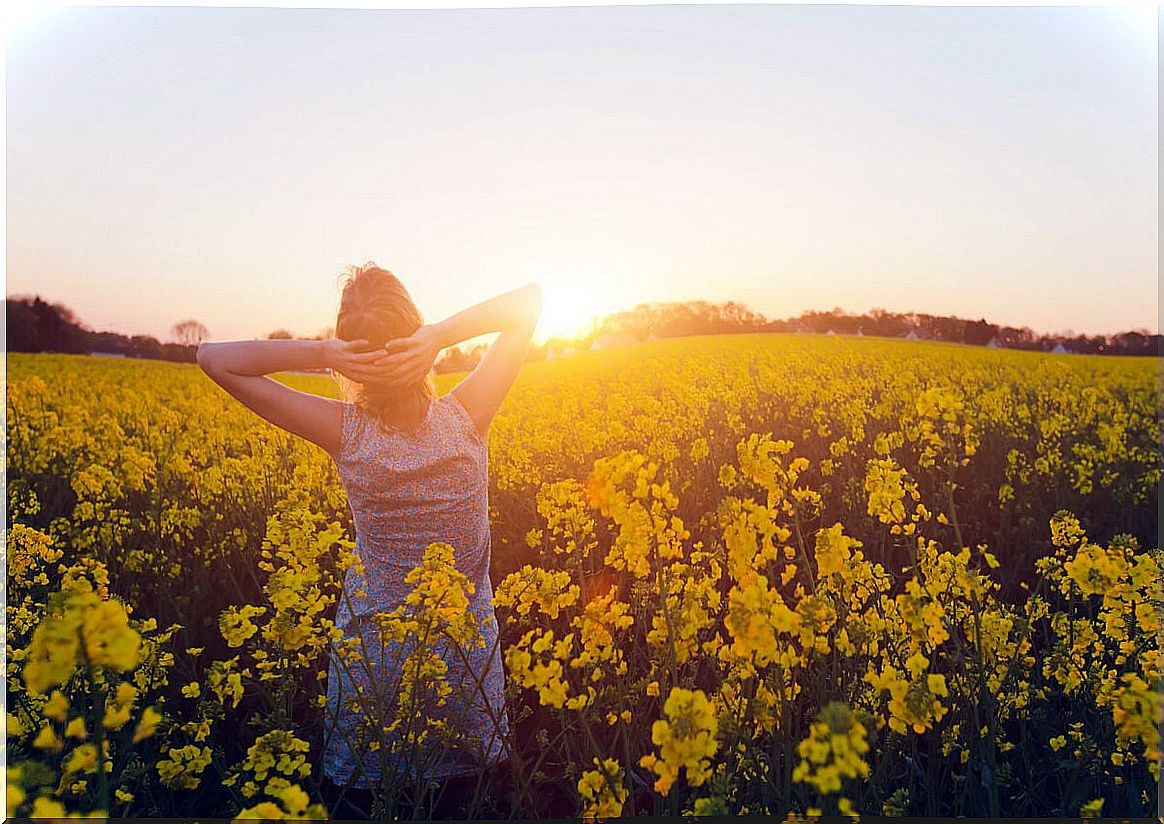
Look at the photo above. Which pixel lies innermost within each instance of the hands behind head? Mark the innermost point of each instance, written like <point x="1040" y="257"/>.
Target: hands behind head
<point x="401" y="361"/>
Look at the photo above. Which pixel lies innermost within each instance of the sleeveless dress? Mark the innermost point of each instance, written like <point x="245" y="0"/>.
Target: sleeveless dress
<point x="408" y="489"/>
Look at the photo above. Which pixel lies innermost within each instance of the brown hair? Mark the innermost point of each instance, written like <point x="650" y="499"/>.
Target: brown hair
<point x="376" y="307"/>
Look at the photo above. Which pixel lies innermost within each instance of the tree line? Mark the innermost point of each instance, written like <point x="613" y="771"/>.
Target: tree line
<point x="665" y="320"/>
<point x="36" y="325"/>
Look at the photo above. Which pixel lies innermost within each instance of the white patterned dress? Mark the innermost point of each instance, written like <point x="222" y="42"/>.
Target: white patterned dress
<point x="406" y="491"/>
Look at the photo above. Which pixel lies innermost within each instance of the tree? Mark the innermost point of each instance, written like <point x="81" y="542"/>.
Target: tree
<point x="23" y="327"/>
<point x="35" y="325"/>
<point x="979" y="332"/>
<point x="189" y="332"/>
<point x="109" y="342"/>
<point x="1136" y="342"/>
<point x="737" y="315"/>
<point x="146" y="346"/>
<point x="177" y="352"/>
<point x="280" y="334"/>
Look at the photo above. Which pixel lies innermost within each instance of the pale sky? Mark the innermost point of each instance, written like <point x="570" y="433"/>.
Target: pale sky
<point x="226" y="164"/>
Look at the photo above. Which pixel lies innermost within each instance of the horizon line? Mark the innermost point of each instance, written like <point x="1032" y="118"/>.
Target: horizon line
<point x="596" y="321"/>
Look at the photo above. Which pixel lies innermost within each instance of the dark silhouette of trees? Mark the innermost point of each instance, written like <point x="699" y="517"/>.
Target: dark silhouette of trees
<point x="109" y="342"/>
<point x="1088" y="344"/>
<point x="1135" y="342"/>
<point x="885" y="324"/>
<point x="189" y="332"/>
<point x="179" y="352"/>
<point x="23" y="327"/>
<point x="37" y="326"/>
<point x="280" y="334"/>
<point x="979" y="332"/>
<point x="882" y="323"/>
<point x="145" y="346"/>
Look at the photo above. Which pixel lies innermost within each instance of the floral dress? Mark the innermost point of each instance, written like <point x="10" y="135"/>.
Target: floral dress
<point x="407" y="491"/>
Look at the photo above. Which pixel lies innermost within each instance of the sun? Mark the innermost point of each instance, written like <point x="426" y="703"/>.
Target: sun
<point x="569" y="308"/>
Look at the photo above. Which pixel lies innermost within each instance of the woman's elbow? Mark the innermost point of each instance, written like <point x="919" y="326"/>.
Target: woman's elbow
<point x="204" y="356"/>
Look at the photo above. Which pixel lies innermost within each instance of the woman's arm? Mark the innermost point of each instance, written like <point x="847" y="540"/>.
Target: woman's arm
<point x="261" y="357"/>
<point x="503" y="313"/>
<point x="240" y="367"/>
<point x="515" y="315"/>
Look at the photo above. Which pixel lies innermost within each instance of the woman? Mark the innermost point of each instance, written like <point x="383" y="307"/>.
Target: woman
<point x="414" y="467"/>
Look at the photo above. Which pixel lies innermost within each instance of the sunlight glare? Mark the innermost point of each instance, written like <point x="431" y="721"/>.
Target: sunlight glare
<point x="570" y="306"/>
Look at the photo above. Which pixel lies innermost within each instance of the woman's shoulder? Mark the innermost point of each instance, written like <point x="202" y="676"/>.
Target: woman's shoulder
<point x="457" y="411"/>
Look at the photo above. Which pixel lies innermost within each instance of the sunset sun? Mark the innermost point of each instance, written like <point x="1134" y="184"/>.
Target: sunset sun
<point x="569" y="308"/>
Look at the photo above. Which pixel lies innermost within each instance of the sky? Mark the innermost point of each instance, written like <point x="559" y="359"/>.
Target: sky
<point x="227" y="164"/>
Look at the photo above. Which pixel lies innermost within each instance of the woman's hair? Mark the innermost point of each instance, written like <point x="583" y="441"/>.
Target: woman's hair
<point x="375" y="307"/>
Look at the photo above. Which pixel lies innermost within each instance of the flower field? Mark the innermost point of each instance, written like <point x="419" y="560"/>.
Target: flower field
<point x="747" y="574"/>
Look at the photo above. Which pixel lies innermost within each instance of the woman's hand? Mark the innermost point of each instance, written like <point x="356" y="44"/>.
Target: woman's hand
<point x="355" y="360"/>
<point x="407" y="360"/>
<point x="402" y="361"/>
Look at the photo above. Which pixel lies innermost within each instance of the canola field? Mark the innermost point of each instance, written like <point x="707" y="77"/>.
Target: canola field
<point x="767" y="574"/>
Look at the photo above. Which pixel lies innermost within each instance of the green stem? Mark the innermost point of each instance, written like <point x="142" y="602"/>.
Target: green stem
<point x="97" y="713"/>
<point x="987" y="752"/>
<point x="804" y="553"/>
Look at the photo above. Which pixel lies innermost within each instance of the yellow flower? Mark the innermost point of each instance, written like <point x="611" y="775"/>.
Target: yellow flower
<point x="109" y="640"/>
<point x="82" y="759"/>
<point x="833" y="550"/>
<point x="756" y="614"/>
<point x="277" y="751"/>
<point x="15" y="793"/>
<point x="887" y="485"/>
<point x="603" y="791"/>
<point x="147" y="725"/>
<point x="531" y="586"/>
<point x="686" y="739"/>
<point x="52" y="653"/>
<point x="183" y="768"/>
<point x="48" y="740"/>
<point x="833" y="751"/>
<point x="76" y="729"/>
<point x="235" y="623"/>
<point x="57" y="707"/>
<point x="119" y="709"/>
<point x="45" y="807"/>
<point x="294" y="799"/>
<point x="1092" y="808"/>
<point x="265" y="809"/>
